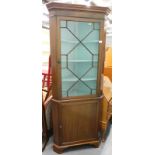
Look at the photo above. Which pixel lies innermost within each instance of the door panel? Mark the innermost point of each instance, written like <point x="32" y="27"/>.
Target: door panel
<point x="79" y="121"/>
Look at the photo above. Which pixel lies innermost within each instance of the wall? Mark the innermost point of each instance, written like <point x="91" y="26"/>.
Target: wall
<point x="45" y="49"/>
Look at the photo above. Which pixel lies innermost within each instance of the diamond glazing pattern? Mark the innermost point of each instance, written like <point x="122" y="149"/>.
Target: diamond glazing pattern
<point x="79" y="57"/>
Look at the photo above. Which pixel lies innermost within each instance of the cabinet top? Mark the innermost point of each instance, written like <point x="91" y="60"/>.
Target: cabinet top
<point x="76" y="7"/>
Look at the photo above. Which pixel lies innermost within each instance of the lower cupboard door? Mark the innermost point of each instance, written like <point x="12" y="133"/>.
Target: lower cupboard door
<point x="79" y="121"/>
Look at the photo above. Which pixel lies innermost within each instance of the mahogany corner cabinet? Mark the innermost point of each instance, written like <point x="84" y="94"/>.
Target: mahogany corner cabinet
<point x="77" y="47"/>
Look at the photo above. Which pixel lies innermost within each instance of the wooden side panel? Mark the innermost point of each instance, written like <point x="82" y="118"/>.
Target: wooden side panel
<point x="55" y="121"/>
<point x="53" y="52"/>
<point x="79" y="121"/>
<point x="101" y="57"/>
<point x="104" y="110"/>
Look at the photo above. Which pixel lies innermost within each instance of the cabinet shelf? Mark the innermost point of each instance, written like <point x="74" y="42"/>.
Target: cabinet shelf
<point x="83" y="79"/>
<point x="73" y="42"/>
<point x="88" y="79"/>
<point x="70" y="41"/>
<point x="81" y="61"/>
<point x="91" y="41"/>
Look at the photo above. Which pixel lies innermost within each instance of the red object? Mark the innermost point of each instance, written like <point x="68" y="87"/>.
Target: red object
<point x="47" y="76"/>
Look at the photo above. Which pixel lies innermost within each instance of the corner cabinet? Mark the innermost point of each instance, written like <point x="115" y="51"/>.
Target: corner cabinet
<point x="77" y="44"/>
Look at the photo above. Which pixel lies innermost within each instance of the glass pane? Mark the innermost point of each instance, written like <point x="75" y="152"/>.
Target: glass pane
<point x="80" y="29"/>
<point x="68" y="41"/>
<point x="90" y="82"/>
<point x="79" y="68"/>
<point x="67" y="75"/>
<point x="63" y="23"/>
<point x="94" y="91"/>
<point x="95" y="60"/>
<point x="96" y="26"/>
<point x="92" y="74"/>
<point x="68" y="79"/>
<point x="91" y="42"/>
<point x="79" y="60"/>
<point x="63" y="61"/>
<point x="80" y="53"/>
<point x="79" y="89"/>
<point x="79" y="57"/>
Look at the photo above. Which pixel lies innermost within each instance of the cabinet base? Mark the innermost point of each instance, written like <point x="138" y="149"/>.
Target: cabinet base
<point x="60" y="149"/>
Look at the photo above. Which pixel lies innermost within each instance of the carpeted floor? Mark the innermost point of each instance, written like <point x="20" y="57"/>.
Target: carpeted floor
<point x="104" y="149"/>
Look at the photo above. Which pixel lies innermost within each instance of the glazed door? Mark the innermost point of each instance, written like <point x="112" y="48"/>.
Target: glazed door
<point x="79" y="55"/>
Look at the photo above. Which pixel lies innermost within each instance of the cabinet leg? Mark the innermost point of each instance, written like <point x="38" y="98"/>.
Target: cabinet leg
<point x="60" y="149"/>
<point x="57" y="149"/>
<point x="103" y="135"/>
<point x="96" y="145"/>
